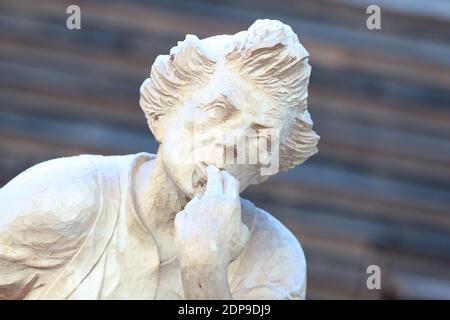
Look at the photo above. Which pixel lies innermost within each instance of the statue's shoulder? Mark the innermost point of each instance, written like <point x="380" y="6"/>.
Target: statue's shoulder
<point x="63" y="190"/>
<point x="52" y="195"/>
<point x="273" y="257"/>
<point x="259" y="220"/>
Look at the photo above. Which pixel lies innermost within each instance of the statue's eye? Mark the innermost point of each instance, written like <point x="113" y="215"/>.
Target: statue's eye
<point x="218" y="110"/>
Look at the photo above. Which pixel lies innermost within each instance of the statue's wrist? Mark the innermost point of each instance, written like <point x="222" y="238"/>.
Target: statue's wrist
<point x="205" y="270"/>
<point x="206" y="281"/>
<point x="204" y="256"/>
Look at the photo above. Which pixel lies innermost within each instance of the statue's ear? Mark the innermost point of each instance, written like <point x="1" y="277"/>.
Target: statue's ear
<point x="153" y="110"/>
<point x="155" y="124"/>
<point x="158" y="124"/>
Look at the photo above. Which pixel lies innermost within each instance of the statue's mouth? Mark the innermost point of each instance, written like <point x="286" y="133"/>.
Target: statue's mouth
<point x="200" y="176"/>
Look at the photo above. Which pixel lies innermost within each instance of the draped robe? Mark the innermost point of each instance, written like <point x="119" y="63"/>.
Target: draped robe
<point x="69" y="229"/>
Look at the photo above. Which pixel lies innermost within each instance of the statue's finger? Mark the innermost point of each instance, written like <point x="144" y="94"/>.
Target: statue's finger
<point x="192" y="203"/>
<point x="230" y="185"/>
<point x="214" y="185"/>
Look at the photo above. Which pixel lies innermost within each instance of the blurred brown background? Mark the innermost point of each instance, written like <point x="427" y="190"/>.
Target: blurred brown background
<point x="378" y="192"/>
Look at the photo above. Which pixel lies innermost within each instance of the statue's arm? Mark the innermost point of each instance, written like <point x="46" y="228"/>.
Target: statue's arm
<point x="268" y="261"/>
<point x="209" y="234"/>
<point x="271" y="266"/>
<point x="205" y="282"/>
<point x="44" y="217"/>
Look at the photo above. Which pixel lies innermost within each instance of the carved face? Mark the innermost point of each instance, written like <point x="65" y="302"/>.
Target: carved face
<point x="208" y="128"/>
<point x="238" y="102"/>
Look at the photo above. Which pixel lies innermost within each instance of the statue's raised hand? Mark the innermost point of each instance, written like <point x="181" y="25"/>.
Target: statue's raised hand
<point x="209" y="230"/>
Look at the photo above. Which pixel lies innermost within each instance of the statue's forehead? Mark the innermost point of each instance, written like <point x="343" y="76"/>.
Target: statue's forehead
<point x="221" y="84"/>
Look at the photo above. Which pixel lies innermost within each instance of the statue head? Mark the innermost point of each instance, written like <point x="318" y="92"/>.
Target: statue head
<point x="224" y="99"/>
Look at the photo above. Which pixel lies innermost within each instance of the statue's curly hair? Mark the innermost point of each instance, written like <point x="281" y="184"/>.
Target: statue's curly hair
<point x="267" y="54"/>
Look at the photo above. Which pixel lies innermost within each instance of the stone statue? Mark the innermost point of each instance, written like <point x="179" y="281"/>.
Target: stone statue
<point x="172" y="225"/>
